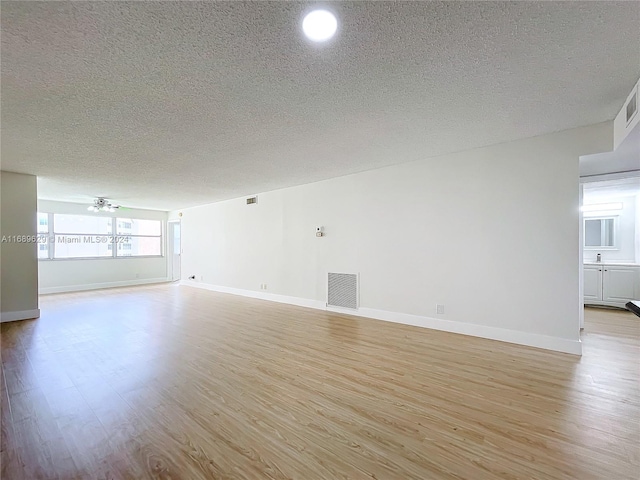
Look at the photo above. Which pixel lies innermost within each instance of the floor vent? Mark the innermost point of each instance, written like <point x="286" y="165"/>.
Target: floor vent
<point x="342" y="290"/>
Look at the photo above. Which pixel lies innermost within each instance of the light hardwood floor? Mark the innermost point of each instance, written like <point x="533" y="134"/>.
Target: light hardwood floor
<point x="175" y="382"/>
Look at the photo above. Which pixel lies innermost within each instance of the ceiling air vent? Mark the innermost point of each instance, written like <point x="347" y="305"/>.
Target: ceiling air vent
<point x="252" y="200"/>
<point x="632" y="107"/>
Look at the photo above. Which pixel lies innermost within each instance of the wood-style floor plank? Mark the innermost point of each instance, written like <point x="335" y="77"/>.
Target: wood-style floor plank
<point x="174" y="382"/>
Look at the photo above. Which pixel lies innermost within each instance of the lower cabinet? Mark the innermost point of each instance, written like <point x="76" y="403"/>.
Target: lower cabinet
<point x="612" y="285"/>
<point x="592" y="283"/>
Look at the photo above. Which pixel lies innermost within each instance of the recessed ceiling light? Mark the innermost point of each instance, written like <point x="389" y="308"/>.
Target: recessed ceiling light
<point x="319" y="25"/>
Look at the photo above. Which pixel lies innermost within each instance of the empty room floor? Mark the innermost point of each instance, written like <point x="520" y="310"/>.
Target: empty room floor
<point x="175" y="382"/>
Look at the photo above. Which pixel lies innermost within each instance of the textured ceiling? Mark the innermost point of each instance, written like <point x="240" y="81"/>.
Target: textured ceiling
<point x="174" y="104"/>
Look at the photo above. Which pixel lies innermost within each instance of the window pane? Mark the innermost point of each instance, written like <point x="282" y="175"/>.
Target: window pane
<point x="89" y="224"/>
<point x="137" y="246"/>
<point x="133" y="226"/>
<point x="176" y="239"/>
<point x="592" y="234"/>
<point x="80" y="246"/>
<point x="608" y="232"/>
<point x="43" y="250"/>
<point x="43" y="222"/>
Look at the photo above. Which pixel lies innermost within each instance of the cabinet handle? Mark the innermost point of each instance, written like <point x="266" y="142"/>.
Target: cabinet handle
<point x="605" y="269"/>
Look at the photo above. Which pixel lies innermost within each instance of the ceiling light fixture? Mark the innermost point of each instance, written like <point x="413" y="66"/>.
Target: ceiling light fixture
<point x="602" y="207"/>
<point x="319" y="25"/>
<point x="102" y="205"/>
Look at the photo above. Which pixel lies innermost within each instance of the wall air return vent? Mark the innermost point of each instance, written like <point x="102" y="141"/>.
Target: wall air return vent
<point x="252" y="200"/>
<point x="342" y="290"/>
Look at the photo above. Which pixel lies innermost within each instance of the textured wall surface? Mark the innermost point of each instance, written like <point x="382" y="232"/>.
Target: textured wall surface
<point x="171" y="104"/>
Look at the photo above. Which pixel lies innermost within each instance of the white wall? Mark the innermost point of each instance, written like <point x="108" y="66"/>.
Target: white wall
<point x="490" y="233"/>
<point x="627" y="240"/>
<point x="18" y="260"/>
<point x="637" y="234"/>
<point x="80" y="274"/>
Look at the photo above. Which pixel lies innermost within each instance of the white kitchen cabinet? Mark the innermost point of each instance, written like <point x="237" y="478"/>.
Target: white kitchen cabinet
<point x="620" y="284"/>
<point x="592" y="283"/>
<point x="612" y="285"/>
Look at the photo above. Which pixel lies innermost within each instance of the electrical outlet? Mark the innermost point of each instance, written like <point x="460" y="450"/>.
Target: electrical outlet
<point x="137" y="275"/>
<point x="201" y="278"/>
<point x="440" y="309"/>
<point x="265" y="286"/>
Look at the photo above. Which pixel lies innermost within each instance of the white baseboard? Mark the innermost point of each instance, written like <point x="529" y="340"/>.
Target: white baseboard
<point x="271" y="297"/>
<point x="492" y="333"/>
<point x="483" y="331"/>
<point x="97" y="286"/>
<point x="21" y="315"/>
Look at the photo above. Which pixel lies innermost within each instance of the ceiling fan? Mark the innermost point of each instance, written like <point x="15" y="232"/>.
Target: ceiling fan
<point x="101" y="204"/>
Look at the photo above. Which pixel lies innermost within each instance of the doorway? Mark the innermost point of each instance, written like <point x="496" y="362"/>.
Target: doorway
<point x="174" y="250"/>
<point x="609" y="225"/>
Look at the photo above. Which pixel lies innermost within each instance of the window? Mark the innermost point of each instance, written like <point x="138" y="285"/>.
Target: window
<point x="81" y="236"/>
<point x="600" y="233"/>
<point x="143" y="237"/>
<point x="43" y="222"/>
<point x="43" y="235"/>
<point x="92" y="236"/>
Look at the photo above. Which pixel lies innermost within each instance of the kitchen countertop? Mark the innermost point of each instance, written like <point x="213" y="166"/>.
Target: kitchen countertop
<point x="614" y="264"/>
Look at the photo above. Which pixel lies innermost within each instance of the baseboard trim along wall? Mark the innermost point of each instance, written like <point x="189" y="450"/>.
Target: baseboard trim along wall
<point x="97" y="286"/>
<point x="545" y="342"/>
<point x="21" y="315"/>
<point x="271" y="297"/>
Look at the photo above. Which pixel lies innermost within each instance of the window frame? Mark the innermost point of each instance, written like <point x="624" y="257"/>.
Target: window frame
<point x="616" y="236"/>
<point x="116" y="234"/>
<point x="51" y="236"/>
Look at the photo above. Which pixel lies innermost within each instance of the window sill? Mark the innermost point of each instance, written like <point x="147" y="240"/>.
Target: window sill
<point x="98" y="258"/>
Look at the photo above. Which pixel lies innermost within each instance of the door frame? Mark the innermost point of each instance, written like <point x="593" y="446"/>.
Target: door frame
<point x="171" y="224"/>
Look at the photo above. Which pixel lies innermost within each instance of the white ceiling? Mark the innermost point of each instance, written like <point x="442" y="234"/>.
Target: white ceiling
<point x="173" y="104"/>
<point x="598" y="192"/>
